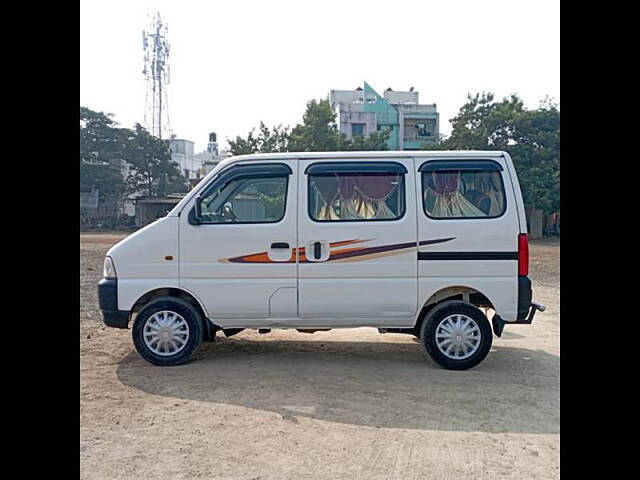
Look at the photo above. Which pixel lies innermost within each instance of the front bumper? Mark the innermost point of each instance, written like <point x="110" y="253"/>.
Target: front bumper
<point x="108" y="301"/>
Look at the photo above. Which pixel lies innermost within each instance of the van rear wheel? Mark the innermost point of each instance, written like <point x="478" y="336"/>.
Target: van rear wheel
<point x="456" y="335"/>
<point x="167" y="331"/>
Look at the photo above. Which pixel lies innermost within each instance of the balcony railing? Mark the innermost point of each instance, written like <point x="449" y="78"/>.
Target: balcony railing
<point x="408" y="108"/>
<point x="419" y="138"/>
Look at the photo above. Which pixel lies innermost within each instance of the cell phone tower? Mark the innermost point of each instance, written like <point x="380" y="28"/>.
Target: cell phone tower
<point x="156" y="74"/>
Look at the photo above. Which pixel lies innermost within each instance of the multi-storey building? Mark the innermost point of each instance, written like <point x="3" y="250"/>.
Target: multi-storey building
<point x="363" y="111"/>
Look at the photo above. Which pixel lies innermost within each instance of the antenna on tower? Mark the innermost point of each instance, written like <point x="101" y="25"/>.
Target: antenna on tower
<point x="156" y="73"/>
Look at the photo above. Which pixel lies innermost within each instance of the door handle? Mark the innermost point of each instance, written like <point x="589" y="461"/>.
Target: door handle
<point x="280" y="245"/>
<point x="317" y="250"/>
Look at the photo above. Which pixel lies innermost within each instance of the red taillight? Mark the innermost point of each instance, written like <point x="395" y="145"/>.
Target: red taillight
<point x="523" y="254"/>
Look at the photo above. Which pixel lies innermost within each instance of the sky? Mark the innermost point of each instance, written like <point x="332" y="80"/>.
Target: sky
<point x="235" y="63"/>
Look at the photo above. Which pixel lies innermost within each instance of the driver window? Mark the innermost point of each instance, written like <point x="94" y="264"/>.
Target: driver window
<point x="246" y="200"/>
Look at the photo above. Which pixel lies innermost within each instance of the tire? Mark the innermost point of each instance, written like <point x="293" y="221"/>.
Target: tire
<point x="472" y="346"/>
<point x="175" y="312"/>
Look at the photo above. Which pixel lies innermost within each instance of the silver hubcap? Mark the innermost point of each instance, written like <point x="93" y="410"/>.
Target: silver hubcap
<point x="458" y="337"/>
<point x="165" y="333"/>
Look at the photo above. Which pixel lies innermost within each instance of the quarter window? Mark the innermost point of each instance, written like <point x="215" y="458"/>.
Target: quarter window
<point x="463" y="193"/>
<point x="356" y="195"/>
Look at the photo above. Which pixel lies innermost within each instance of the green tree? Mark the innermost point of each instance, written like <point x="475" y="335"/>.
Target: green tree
<point x="102" y="148"/>
<point x="267" y="141"/>
<point x="274" y="140"/>
<point x="243" y="146"/>
<point x="531" y="137"/>
<point x="536" y="154"/>
<point x="152" y="172"/>
<point x="376" y="141"/>
<point x="318" y="131"/>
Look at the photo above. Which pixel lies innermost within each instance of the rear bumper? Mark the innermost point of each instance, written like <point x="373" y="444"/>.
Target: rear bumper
<point x="524" y="297"/>
<point x="526" y="307"/>
<point x="108" y="301"/>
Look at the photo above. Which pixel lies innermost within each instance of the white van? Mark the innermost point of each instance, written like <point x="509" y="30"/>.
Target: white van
<point x="426" y="243"/>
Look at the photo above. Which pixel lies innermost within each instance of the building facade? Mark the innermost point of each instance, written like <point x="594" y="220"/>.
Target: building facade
<point x="194" y="166"/>
<point x="182" y="153"/>
<point x="363" y="111"/>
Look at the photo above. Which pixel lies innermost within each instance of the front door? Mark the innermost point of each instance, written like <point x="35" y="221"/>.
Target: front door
<point x="239" y="260"/>
<point x="358" y="242"/>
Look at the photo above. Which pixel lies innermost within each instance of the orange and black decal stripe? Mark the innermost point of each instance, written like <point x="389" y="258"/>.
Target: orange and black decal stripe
<point x="339" y="254"/>
<point x="381" y="250"/>
<point x="263" y="257"/>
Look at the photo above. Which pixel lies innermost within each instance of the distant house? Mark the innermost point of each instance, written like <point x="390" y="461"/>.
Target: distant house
<point x="363" y="111"/>
<point x="194" y="166"/>
<point x="150" y="209"/>
<point x="182" y="153"/>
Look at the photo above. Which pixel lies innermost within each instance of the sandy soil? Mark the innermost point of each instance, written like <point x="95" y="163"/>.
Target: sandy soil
<point x="350" y="404"/>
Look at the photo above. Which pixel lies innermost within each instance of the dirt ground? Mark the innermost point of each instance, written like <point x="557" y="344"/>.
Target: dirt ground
<point x="344" y="404"/>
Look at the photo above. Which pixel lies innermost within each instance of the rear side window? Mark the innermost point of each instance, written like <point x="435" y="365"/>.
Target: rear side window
<point x="459" y="190"/>
<point x="356" y="192"/>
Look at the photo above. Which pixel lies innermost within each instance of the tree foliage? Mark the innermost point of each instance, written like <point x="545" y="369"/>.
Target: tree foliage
<point x="318" y="131"/>
<point x="102" y="146"/>
<point x="266" y="141"/>
<point x="531" y="137"/>
<point x="152" y="172"/>
<point x="376" y="141"/>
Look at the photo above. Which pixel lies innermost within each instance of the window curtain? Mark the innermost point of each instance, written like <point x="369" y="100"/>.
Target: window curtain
<point x="364" y="196"/>
<point x="327" y="188"/>
<point x="446" y="198"/>
<point x="361" y="196"/>
<point x="489" y="186"/>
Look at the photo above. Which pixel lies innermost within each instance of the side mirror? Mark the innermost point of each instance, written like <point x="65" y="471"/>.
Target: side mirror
<point x="196" y="212"/>
<point x="198" y="207"/>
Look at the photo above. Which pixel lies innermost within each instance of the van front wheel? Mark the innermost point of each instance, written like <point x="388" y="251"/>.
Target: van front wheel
<point x="167" y="331"/>
<point x="456" y="335"/>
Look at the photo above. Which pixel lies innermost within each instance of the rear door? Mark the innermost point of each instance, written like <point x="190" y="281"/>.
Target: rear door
<point x="240" y="260"/>
<point x="468" y="228"/>
<point x="357" y="237"/>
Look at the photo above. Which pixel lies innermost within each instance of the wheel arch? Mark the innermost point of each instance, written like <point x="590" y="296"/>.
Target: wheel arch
<point x="209" y="327"/>
<point x="465" y="293"/>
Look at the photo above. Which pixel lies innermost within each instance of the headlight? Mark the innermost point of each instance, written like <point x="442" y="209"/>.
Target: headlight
<point x="108" y="271"/>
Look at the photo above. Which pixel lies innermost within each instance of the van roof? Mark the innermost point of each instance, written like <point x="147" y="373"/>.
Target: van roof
<point x="369" y="154"/>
